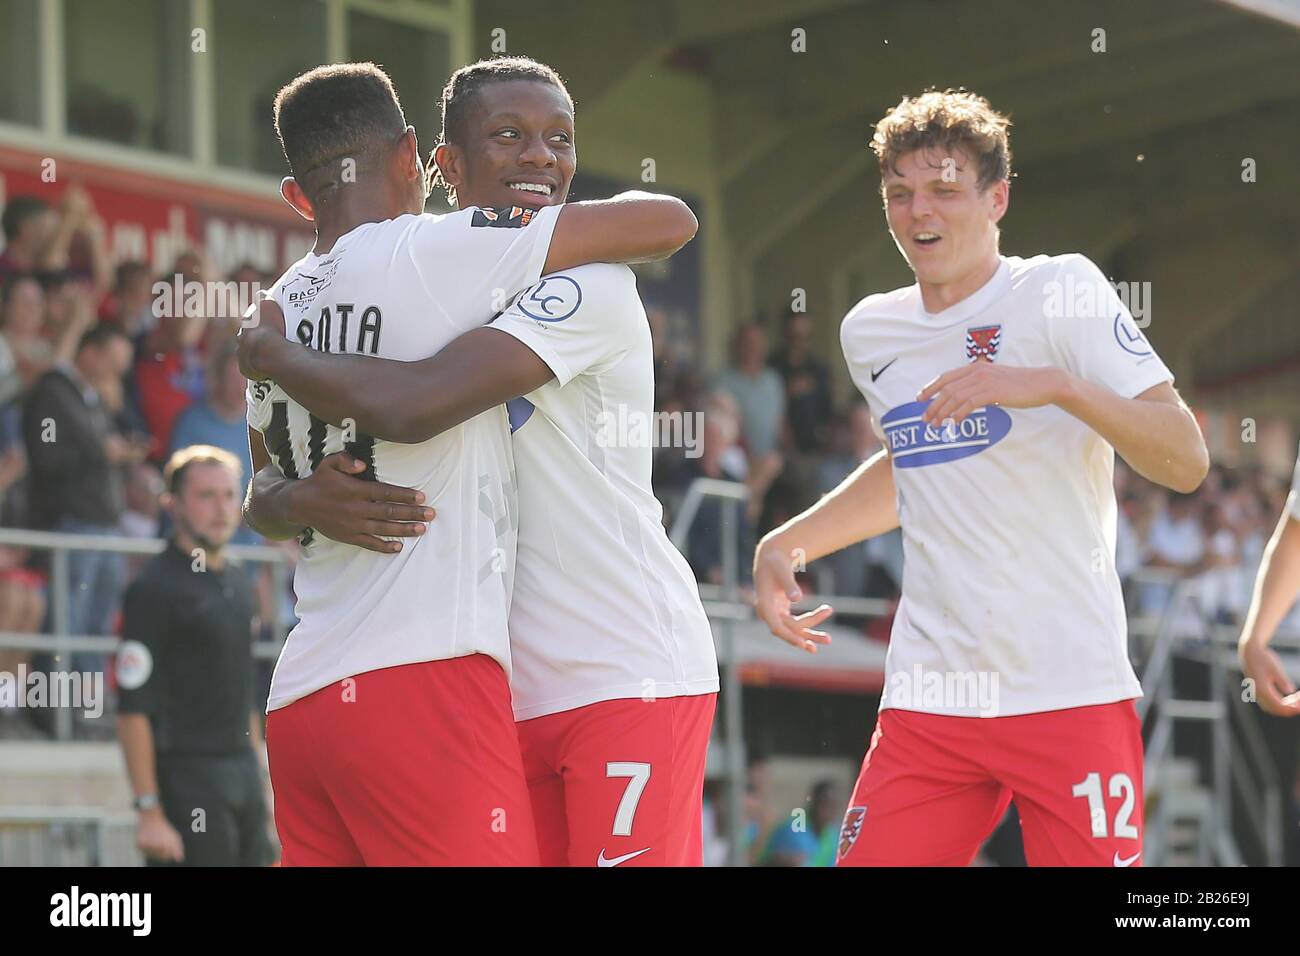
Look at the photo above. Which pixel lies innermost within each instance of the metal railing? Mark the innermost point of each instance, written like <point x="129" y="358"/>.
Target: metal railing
<point x="66" y="836"/>
<point x="61" y="642"/>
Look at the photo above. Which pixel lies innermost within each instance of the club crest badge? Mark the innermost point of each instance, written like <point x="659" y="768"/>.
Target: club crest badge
<point x="983" y="342"/>
<point x="850" y="829"/>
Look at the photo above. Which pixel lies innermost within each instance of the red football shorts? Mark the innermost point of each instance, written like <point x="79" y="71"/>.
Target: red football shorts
<point x="620" y="782"/>
<point x="933" y="788"/>
<point x="415" y="765"/>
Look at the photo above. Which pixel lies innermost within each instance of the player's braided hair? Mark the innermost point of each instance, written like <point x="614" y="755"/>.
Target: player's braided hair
<point x="953" y="121"/>
<point x="462" y="89"/>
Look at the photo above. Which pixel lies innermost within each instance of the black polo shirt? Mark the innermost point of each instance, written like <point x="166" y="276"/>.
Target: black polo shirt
<point x="187" y="655"/>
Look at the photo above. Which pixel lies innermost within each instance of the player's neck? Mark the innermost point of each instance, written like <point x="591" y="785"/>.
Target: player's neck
<point x="938" y="296"/>
<point x="352" y="209"/>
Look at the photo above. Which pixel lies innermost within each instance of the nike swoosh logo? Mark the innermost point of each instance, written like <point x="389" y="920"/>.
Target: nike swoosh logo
<point x="1128" y="862"/>
<point x="875" y="375"/>
<point x="601" y="861"/>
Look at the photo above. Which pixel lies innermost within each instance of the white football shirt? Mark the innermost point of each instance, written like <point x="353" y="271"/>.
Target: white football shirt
<point x="1011" y="603"/>
<point x="605" y="607"/>
<point x="402" y="289"/>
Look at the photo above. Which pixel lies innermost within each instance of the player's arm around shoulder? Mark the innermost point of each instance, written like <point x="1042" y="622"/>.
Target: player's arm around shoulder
<point x="579" y="320"/>
<point x="633" y="226"/>
<point x="565" y="324"/>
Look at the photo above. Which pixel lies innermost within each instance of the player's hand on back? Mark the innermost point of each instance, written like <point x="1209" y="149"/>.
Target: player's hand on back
<point x="261" y="329"/>
<point x="1274" y="690"/>
<point x="336" y="502"/>
<point x="775" y="591"/>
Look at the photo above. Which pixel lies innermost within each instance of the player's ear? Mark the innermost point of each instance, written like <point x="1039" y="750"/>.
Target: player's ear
<point x="293" y="194"/>
<point x="408" y="155"/>
<point x="449" y="160"/>
<point x="1001" y="199"/>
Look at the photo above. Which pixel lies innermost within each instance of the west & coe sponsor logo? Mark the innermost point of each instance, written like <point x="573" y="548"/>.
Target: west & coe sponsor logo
<point x="914" y="444"/>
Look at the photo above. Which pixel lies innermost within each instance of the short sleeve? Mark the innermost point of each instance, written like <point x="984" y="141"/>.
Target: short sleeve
<point x="1095" y="334"/>
<point x="474" y="261"/>
<point x="577" y="321"/>
<point x="144" y="636"/>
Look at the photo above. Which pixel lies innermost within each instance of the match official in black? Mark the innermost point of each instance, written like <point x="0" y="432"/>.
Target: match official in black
<point x="192" y="738"/>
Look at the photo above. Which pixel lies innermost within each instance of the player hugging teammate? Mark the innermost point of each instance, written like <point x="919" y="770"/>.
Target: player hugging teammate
<point x="391" y="734"/>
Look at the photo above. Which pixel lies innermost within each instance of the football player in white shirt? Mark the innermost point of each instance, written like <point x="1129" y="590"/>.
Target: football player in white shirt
<point x="1001" y="387"/>
<point x="390" y="732"/>
<point x="615" y="674"/>
<point x="1276" y="588"/>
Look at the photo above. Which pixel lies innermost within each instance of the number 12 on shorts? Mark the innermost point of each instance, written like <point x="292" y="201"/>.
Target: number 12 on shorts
<point x="1121" y="785"/>
<point x="638" y="775"/>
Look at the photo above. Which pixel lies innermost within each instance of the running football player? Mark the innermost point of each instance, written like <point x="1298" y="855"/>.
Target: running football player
<point x="390" y="732"/>
<point x="1001" y="388"/>
<point x="615" y="675"/>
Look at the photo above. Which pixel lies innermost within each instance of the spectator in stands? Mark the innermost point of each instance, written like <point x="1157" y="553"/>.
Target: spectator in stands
<point x="808" y="405"/>
<point x="1177" y="538"/>
<point x="29" y="224"/>
<point x="29" y="347"/>
<point x="75" y="457"/>
<point x="810" y="835"/>
<point x="169" y="371"/>
<point x="757" y="389"/>
<point x="720" y="458"/>
<point x="220" y="418"/>
<point x="131" y="304"/>
<point x="22" y="591"/>
<point x="144" y="488"/>
<point x="77" y="248"/>
<point x="1220" y="566"/>
<point x="188" y="717"/>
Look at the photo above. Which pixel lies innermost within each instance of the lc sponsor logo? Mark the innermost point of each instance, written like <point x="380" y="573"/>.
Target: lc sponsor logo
<point x="914" y="444"/>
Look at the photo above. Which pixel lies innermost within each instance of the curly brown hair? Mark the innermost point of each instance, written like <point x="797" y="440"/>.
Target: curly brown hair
<point x="955" y="121"/>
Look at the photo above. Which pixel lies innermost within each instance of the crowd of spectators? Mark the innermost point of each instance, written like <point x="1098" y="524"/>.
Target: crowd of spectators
<point x="96" y="390"/>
